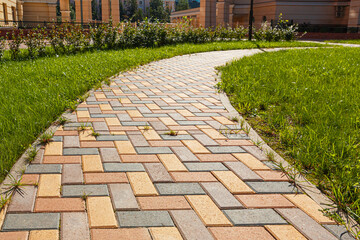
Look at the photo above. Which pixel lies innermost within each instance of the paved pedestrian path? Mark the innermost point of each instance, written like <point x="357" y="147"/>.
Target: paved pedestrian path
<point x="155" y="156"/>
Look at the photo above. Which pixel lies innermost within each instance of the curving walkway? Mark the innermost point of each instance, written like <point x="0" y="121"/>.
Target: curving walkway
<point x="132" y="180"/>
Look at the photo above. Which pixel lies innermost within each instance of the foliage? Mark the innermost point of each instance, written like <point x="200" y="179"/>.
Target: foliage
<point x="16" y="39"/>
<point x="157" y="11"/>
<point x="305" y="103"/>
<point x="182" y="5"/>
<point x="2" y="47"/>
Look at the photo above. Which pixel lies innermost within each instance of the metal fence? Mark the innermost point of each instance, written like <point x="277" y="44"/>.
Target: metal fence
<point x="45" y="24"/>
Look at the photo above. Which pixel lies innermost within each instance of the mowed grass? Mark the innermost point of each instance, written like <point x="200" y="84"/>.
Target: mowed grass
<point x="35" y="92"/>
<point x="350" y="41"/>
<point x="306" y="104"/>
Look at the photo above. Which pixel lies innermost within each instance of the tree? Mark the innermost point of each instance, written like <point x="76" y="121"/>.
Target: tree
<point x="157" y="11"/>
<point x="122" y="11"/>
<point x="131" y="8"/>
<point x="182" y="5"/>
<point x="139" y="15"/>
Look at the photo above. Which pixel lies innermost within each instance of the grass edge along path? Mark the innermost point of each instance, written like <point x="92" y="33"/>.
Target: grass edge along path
<point x="305" y="105"/>
<point x="35" y="92"/>
<point x="349" y="41"/>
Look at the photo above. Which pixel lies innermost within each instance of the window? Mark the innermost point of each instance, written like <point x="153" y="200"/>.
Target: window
<point x="5" y="13"/>
<point x="264" y="19"/>
<point x="339" y="11"/>
<point x="13" y="12"/>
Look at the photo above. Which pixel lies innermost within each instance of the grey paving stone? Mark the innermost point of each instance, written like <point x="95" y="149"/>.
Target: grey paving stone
<point x="191" y="123"/>
<point x="109" y="155"/>
<point x="31" y="221"/>
<point x="205" y="140"/>
<point x="141" y="102"/>
<point x="123" y="109"/>
<point x="23" y="203"/>
<point x="123" y="167"/>
<point x="74" y="224"/>
<point x="123" y="117"/>
<point x="192" y="109"/>
<point x="220" y="195"/>
<point x="339" y="231"/>
<point x="214" y="124"/>
<point x="238" y="136"/>
<point x="72" y="174"/>
<point x="122" y="197"/>
<point x="179" y="188"/>
<point x="216" y="107"/>
<point x="189" y="225"/>
<point x="111" y="138"/>
<point x="177" y="137"/>
<point x="57" y="138"/>
<point x="272" y="187"/>
<point x="159" y="126"/>
<point x="205" y="166"/>
<point x="155" y="115"/>
<point x="153" y="150"/>
<point x="100" y="126"/>
<point x="144" y="219"/>
<point x="226" y="149"/>
<point x="305" y="224"/>
<point x="81" y="151"/>
<point x="144" y="109"/>
<point x="103" y="116"/>
<point x="184" y="154"/>
<point x="177" y="116"/>
<point x="242" y="171"/>
<point x="114" y="103"/>
<point x="172" y="108"/>
<point x="96" y="110"/>
<point x="157" y="172"/>
<point x="271" y="165"/>
<point x="77" y="124"/>
<point x="71" y="141"/>
<point x="245" y="217"/>
<point x="257" y="152"/>
<point x="44" y="168"/>
<point x="80" y="190"/>
<point x="211" y="114"/>
<point x="134" y="123"/>
<point x="138" y="140"/>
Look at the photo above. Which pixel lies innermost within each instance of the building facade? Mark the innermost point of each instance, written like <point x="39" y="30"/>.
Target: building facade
<point x="10" y="10"/>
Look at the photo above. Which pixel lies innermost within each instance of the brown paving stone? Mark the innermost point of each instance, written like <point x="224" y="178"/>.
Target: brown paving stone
<point x="250" y="161"/>
<point x="49" y="185"/>
<point x="209" y="213"/>
<point x="53" y="149"/>
<point x="163" y="203"/>
<point x="74" y="224"/>
<point x="29" y="179"/>
<point x="193" y="177"/>
<point x="264" y="201"/>
<point x="72" y="174"/>
<point x="240" y="233"/>
<point x="284" y="232"/>
<point x="100" y="212"/>
<point x="21" y="235"/>
<point x="166" y="143"/>
<point x="39" y="156"/>
<point x="125" y="147"/>
<point x="120" y="234"/>
<point x="309" y="206"/>
<point x="92" y="163"/>
<point x="44" y="235"/>
<point x="66" y="133"/>
<point x="172" y="163"/>
<point x="216" y="157"/>
<point x="59" y="205"/>
<point x="97" y="144"/>
<point x="165" y="233"/>
<point x="274" y="176"/>
<point x="25" y="202"/>
<point x="104" y="178"/>
<point x="141" y="184"/>
<point x="232" y="182"/>
<point x="62" y="159"/>
<point x="139" y="158"/>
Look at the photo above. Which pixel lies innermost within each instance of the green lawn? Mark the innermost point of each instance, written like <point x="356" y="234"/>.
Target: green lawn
<point x="35" y="92"/>
<point x="306" y="105"/>
<point x="355" y="41"/>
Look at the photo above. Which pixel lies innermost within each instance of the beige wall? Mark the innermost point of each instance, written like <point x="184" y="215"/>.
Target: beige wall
<point x="354" y="14"/>
<point x="39" y="11"/>
<point x="10" y="10"/>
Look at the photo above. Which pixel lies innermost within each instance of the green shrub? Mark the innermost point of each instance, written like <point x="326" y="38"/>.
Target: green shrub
<point x="2" y="47"/>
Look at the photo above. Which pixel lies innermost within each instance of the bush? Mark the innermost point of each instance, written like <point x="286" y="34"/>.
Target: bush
<point x="14" y="44"/>
<point x="2" y="47"/>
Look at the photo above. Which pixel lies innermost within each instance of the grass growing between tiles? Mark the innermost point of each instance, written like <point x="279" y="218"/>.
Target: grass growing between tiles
<point x="306" y="105"/>
<point x="35" y="92"/>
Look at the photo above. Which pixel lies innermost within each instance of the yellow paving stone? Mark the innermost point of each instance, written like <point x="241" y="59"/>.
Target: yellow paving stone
<point x="153" y="106"/>
<point x="100" y="212"/>
<point x="223" y="120"/>
<point x="117" y="133"/>
<point x="213" y="133"/>
<point x="151" y="135"/>
<point x="54" y="149"/>
<point x="169" y="100"/>
<point x="209" y="213"/>
<point x="182" y="95"/>
<point x="92" y="163"/>
<point x="234" y="184"/>
<point x="112" y="122"/>
<point x="252" y="162"/>
<point x="100" y="95"/>
<point x="172" y="163"/>
<point x="86" y="135"/>
<point x="141" y="184"/>
<point x="168" y="121"/>
<point x="165" y="233"/>
<point x="125" y="100"/>
<point x="105" y="107"/>
<point x="285" y="232"/>
<point x="309" y="206"/>
<point x="185" y="113"/>
<point x="49" y="185"/>
<point x="125" y="147"/>
<point x="117" y="92"/>
<point x="195" y="146"/>
<point x="140" y="95"/>
<point x="212" y="100"/>
<point x="199" y="105"/>
<point x="2" y="214"/>
<point x="83" y="114"/>
<point x="44" y="235"/>
<point x="134" y="113"/>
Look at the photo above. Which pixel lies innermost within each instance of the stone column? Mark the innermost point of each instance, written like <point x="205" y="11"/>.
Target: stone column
<point x="65" y="10"/>
<point x="231" y="15"/>
<point x="207" y="13"/>
<point x="86" y="8"/>
<point x="110" y="10"/>
<point x="222" y="13"/>
<point x="354" y="14"/>
<point x="19" y="9"/>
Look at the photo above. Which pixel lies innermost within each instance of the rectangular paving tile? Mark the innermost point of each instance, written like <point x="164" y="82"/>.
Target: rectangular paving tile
<point x="144" y="219"/>
<point x="92" y="163"/>
<point x="112" y="138"/>
<point x="120" y="233"/>
<point x="141" y="184"/>
<point x="285" y="232"/>
<point x="139" y="158"/>
<point x="191" y="123"/>
<point x="157" y="172"/>
<point x="104" y="178"/>
<point x="81" y="151"/>
<point x="122" y="197"/>
<point x="246" y="217"/>
<point x="195" y="146"/>
<point x="250" y="161"/>
<point x="59" y="205"/>
<point x="49" y="185"/>
<point x="74" y="224"/>
<point x="138" y="140"/>
<point x="53" y="149"/>
<point x="221" y="196"/>
<point x="339" y="231"/>
<point x="109" y="155"/>
<point x="72" y="174"/>
<point x="184" y="154"/>
<point x="273" y="187"/>
<point x="44" y="234"/>
<point x="123" y="167"/>
<point x="81" y="190"/>
<point x="159" y="126"/>
<point x="163" y="203"/>
<point x="232" y="182"/>
<point x="153" y="150"/>
<point x="242" y="171"/>
<point x="100" y="212"/>
<point x="179" y="188"/>
<point x="18" y="235"/>
<point x="71" y="141"/>
<point x="205" y="140"/>
<point x="205" y="166"/>
<point x="151" y="135"/>
<point x="264" y="201"/>
<point x="172" y="163"/>
<point x="43" y="168"/>
<point x="193" y="177"/>
<point x="177" y="137"/>
<point x="226" y="149"/>
<point x="209" y="213"/>
<point x="25" y="202"/>
<point x="305" y="224"/>
<point x="31" y="221"/>
<point x="190" y="226"/>
<point x="125" y="147"/>
<point x="242" y="233"/>
<point x="162" y="233"/>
